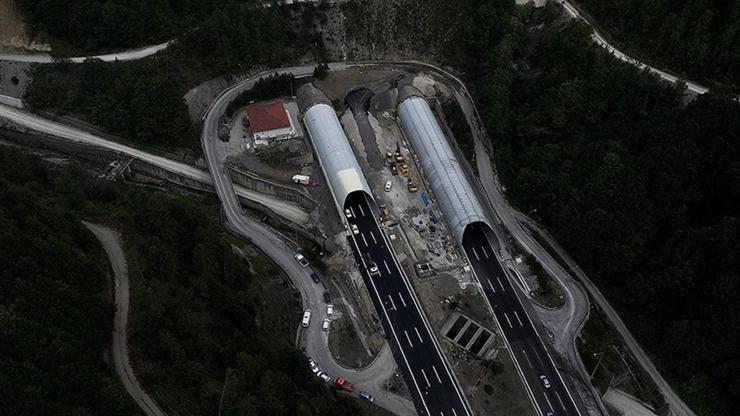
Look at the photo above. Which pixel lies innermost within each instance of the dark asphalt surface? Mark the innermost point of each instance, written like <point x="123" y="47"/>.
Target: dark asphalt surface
<point x="525" y="344"/>
<point x="427" y="374"/>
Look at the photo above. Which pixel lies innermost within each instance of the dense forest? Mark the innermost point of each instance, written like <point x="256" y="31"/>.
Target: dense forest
<point x="196" y="309"/>
<point x="642" y="188"/>
<point x="55" y="314"/>
<point x="700" y="38"/>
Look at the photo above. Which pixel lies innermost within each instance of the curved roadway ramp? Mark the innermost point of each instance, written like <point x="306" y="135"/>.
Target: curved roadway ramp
<point x="315" y="340"/>
<point x="112" y="247"/>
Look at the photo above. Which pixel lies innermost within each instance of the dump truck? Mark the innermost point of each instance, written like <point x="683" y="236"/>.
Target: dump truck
<point x="343" y="384"/>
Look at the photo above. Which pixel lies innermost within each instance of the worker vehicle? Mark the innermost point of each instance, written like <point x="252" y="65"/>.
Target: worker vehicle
<point x="301" y="260"/>
<point x="306" y="318"/>
<point x="343" y="384"/>
<point x="301" y="179"/>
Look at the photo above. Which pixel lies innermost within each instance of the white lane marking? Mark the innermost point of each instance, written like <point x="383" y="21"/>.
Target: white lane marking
<point x="559" y="399"/>
<point x="499" y="283"/>
<point x="408" y="338"/>
<point x="476" y="254"/>
<point x="491" y="284"/>
<point x="363" y="239"/>
<point x="353" y="212"/>
<point x="374" y="240"/>
<point x="437" y="374"/>
<point x="518" y="319"/>
<point x="508" y="320"/>
<point x="536" y="354"/>
<point x="362" y="211"/>
<point x="417" y="333"/>
<point x="484" y="251"/>
<point x="548" y="401"/>
<point x="388" y="269"/>
<point x="528" y="361"/>
<point x="454" y="413"/>
<point x="402" y="301"/>
<point x="426" y="378"/>
<point x="393" y="305"/>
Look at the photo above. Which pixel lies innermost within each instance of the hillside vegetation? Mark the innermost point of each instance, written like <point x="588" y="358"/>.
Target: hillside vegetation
<point x="197" y="307"/>
<point x="700" y="38"/>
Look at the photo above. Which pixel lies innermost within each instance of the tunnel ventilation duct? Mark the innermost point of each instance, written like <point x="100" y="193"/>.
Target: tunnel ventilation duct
<point x="443" y="171"/>
<point x="338" y="162"/>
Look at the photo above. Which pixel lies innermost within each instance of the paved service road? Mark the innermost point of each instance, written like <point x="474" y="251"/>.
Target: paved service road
<point x="540" y="375"/>
<point x="113" y="249"/>
<point x="434" y="389"/>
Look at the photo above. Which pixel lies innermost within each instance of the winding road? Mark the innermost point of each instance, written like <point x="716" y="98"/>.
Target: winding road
<point x="119" y="347"/>
<point x="128" y="55"/>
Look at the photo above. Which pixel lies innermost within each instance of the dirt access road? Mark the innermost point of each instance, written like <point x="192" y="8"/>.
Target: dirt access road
<point x="112" y="246"/>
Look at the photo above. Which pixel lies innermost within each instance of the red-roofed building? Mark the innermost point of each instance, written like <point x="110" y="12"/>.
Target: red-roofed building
<point x="269" y="121"/>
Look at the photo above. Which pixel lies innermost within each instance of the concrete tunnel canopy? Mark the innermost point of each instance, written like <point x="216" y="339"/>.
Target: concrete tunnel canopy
<point x="443" y="171"/>
<point x="337" y="160"/>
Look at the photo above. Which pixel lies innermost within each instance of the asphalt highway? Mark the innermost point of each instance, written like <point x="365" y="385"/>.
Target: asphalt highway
<point x="431" y="383"/>
<point x="541" y="378"/>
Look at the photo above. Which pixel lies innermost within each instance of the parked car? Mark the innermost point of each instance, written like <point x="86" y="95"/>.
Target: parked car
<point x="301" y="260"/>
<point x="315" y="277"/>
<point x="327" y="297"/>
<point x="329" y="310"/>
<point x="326" y="324"/>
<point x="545" y="381"/>
<point x="306" y="318"/>
<point x="367" y="396"/>
<point x="394" y="170"/>
<point x="325" y="377"/>
<point x="388" y="186"/>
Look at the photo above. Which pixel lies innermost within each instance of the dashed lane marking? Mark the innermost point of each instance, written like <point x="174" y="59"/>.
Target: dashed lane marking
<point x="374" y="240"/>
<point x="388" y="269"/>
<point x="362" y="211"/>
<point x="418" y="335"/>
<point x="402" y="301"/>
<point x="393" y="305"/>
<point x="485" y="253"/>
<point x="560" y="400"/>
<point x="508" y="320"/>
<point x="518" y="319"/>
<point x="353" y="212"/>
<point x="437" y="374"/>
<point x="500" y="284"/>
<point x="528" y="361"/>
<point x="408" y="338"/>
<point x="426" y="378"/>
<point x="476" y="254"/>
<point x="491" y="284"/>
<point x="364" y="240"/>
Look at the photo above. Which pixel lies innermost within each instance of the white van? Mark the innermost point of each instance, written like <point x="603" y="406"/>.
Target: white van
<point x="306" y="318"/>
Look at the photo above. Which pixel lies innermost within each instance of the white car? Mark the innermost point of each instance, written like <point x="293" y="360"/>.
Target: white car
<point x="301" y="260"/>
<point x="316" y="370"/>
<point x="326" y="324"/>
<point x="348" y="213"/>
<point x="325" y="377"/>
<point x="329" y="310"/>
<point x="306" y="318"/>
<point x="374" y="271"/>
<point x="355" y="230"/>
<point x="312" y="363"/>
<point x="388" y="186"/>
<point x="545" y="381"/>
